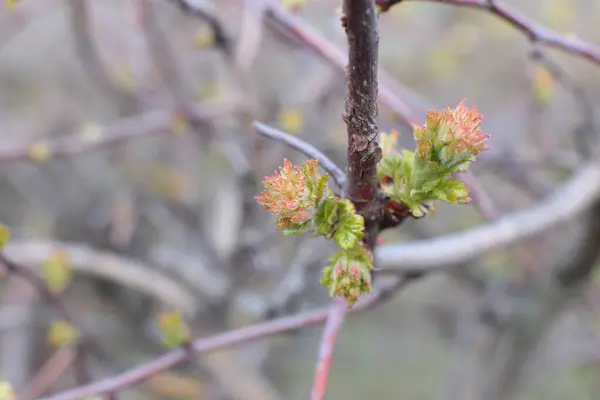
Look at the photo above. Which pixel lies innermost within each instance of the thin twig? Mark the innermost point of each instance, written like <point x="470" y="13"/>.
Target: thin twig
<point x="119" y="269"/>
<point x="87" y="51"/>
<point x="337" y="174"/>
<point x="48" y="373"/>
<point x="585" y="134"/>
<point x="292" y="24"/>
<point x="81" y="346"/>
<point x="164" y="58"/>
<point x="335" y="320"/>
<point x="531" y="320"/>
<point x="97" y="137"/>
<point x="222" y="38"/>
<point x="227" y="339"/>
<point x="534" y="31"/>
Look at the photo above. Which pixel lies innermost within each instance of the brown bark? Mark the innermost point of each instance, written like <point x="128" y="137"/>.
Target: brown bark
<point x="361" y="24"/>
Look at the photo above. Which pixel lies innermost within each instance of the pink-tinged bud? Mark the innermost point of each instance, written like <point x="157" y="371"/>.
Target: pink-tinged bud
<point x="451" y="136"/>
<point x="285" y="194"/>
<point x="465" y="125"/>
<point x="350" y="279"/>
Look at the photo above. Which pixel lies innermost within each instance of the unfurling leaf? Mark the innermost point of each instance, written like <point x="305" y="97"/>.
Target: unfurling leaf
<point x="350" y="227"/>
<point x="348" y="274"/>
<point x="451" y="138"/>
<point x="300" y="199"/>
<point x="292" y="194"/>
<point x="173" y="330"/>
<point x="57" y="271"/>
<point x="62" y="334"/>
<point x="446" y="144"/>
<point x="452" y="191"/>
<point x="4" y="235"/>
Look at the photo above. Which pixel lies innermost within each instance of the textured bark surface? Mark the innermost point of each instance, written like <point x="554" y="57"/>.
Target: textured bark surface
<point x="360" y="22"/>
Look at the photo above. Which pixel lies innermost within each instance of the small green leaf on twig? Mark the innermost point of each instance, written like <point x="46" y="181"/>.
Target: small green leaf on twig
<point x="173" y="330"/>
<point x="349" y="229"/>
<point x="348" y="274"/>
<point x="446" y="144"/>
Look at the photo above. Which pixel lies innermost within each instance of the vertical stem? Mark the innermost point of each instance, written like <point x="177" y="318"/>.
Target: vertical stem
<point x="361" y="24"/>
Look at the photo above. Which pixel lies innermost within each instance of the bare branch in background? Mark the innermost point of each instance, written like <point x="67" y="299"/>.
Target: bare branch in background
<point x="122" y="270"/>
<point x="56" y="365"/>
<point x="82" y="345"/>
<point x="282" y="19"/>
<point x="338" y="176"/>
<point x="87" y="50"/>
<point x="585" y="134"/>
<point x="568" y="202"/>
<point x="95" y="137"/>
<point x="335" y="320"/>
<point x="531" y="320"/>
<point x="232" y="338"/>
<point x="165" y="60"/>
<point x="222" y="39"/>
<point x="534" y="31"/>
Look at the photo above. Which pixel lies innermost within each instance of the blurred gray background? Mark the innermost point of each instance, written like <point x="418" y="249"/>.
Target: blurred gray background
<point x="181" y="203"/>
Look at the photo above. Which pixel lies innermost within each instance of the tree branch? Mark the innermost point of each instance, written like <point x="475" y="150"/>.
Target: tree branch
<point x="291" y="24"/>
<point x="362" y="29"/>
<point x="335" y="320"/>
<point x="534" y="31"/>
<point x="96" y="138"/>
<point x="81" y="346"/>
<point x="119" y="269"/>
<point x="222" y="39"/>
<point x="227" y="339"/>
<point x="337" y="174"/>
<point x="87" y="50"/>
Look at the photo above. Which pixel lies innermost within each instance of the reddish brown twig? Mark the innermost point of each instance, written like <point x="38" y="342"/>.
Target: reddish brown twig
<point x="335" y="320"/>
<point x="49" y="373"/>
<point x="227" y="339"/>
<point x="534" y="31"/>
